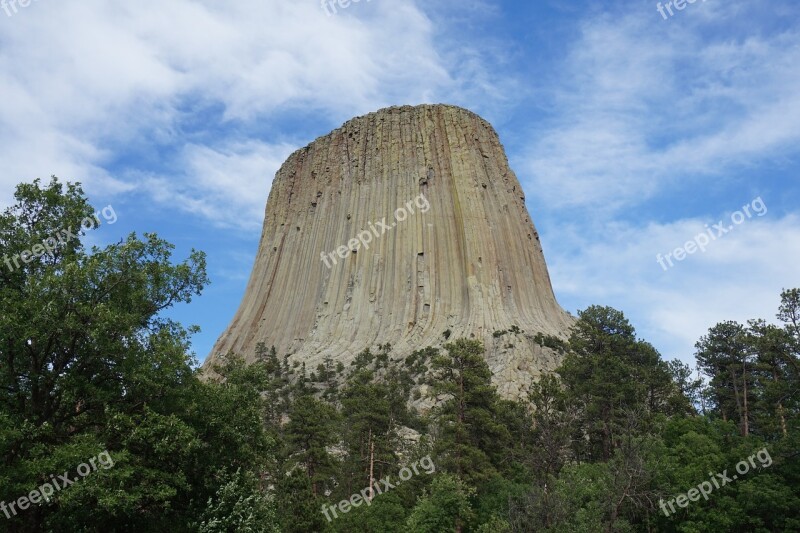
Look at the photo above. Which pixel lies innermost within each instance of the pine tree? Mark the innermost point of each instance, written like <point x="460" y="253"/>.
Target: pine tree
<point x="469" y="430"/>
<point x="311" y="430"/>
<point x="724" y="356"/>
<point x="607" y="374"/>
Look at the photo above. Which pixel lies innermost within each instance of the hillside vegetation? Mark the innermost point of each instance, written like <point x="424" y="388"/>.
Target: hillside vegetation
<point x="616" y="440"/>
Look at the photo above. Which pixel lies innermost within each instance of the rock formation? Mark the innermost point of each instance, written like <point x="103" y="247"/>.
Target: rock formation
<point x="451" y="248"/>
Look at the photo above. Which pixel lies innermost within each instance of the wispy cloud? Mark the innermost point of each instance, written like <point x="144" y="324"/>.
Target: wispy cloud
<point x="228" y="186"/>
<point x="739" y="277"/>
<point x="115" y="95"/>
<point x="642" y="106"/>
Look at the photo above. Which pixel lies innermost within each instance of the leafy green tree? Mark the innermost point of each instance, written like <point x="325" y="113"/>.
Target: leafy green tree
<point x="368" y="431"/>
<point x="492" y="500"/>
<point x="239" y="506"/>
<point x="695" y="450"/>
<point x="299" y="509"/>
<point x="785" y="362"/>
<point x="554" y="423"/>
<point x="495" y="525"/>
<point x="81" y="346"/>
<point x="789" y="312"/>
<point x="772" y="379"/>
<point x="445" y="507"/>
<point x="88" y="364"/>
<point x="690" y="388"/>
<point x="387" y="513"/>
<point x="231" y="418"/>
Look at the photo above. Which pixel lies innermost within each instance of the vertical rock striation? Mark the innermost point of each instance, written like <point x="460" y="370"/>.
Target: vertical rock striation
<point x="466" y="258"/>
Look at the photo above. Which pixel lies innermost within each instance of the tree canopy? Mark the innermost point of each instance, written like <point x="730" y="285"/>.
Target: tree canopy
<point x="408" y="443"/>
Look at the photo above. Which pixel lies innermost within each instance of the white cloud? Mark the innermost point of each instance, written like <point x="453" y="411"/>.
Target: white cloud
<point x="227" y="186"/>
<point x="739" y="277"/>
<point x="85" y="82"/>
<point x="643" y="104"/>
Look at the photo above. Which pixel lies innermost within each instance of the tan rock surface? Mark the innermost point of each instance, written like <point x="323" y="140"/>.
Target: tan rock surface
<point x="470" y="263"/>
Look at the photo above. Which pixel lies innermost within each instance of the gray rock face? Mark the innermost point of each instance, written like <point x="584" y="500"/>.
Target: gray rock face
<point x="396" y="227"/>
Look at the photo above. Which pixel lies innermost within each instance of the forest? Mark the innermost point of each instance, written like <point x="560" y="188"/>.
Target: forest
<point x="616" y="440"/>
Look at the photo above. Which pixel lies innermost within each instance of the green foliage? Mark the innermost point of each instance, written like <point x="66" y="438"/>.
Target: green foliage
<point x="495" y="524"/>
<point x="609" y="373"/>
<point x="299" y="508"/>
<point x="492" y="500"/>
<point x="311" y="430"/>
<point x="89" y="364"/>
<point x="239" y="505"/>
<point x="695" y="447"/>
<point x="445" y="507"/>
<point x="363" y="359"/>
<point x="417" y="361"/>
<point x="513" y="329"/>
<point x="368" y="429"/>
<point x="549" y="341"/>
<point x="691" y="389"/>
<point x="723" y="356"/>
<point x="470" y="433"/>
<point x="386" y="513"/>
<point x="554" y="422"/>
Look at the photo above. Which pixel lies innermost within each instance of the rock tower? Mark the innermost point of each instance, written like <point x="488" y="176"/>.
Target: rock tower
<point x="397" y="227"/>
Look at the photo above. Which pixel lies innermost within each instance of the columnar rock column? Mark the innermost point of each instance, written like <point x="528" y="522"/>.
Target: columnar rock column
<point x="451" y="247"/>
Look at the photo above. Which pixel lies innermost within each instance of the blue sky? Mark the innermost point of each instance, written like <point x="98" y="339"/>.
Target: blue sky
<point x="629" y="133"/>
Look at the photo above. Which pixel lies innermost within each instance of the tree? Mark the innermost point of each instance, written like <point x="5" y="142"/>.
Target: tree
<point x="554" y="421"/>
<point x="368" y="429"/>
<point x="445" y="507"/>
<point x="240" y="506"/>
<point x="312" y="428"/>
<point x="689" y="388"/>
<point x="771" y="378"/>
<point x="79" y="333"/>
<point x="789" y="312"/>
<point x="723" y="355"/>
<point x="466" y="417"/>
<point x="299" y="509"/>
<point x="89" y="365"/>
<point x="608" y="373"/>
